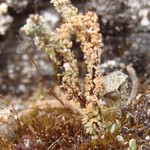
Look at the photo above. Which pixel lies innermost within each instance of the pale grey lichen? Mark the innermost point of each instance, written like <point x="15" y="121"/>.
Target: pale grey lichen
<point x="132" y="145"/>
<point x="5" y="19"/>
<point x="8" y="123"/>
<point x="112" y="81"/>
<point x="135" y="83"/>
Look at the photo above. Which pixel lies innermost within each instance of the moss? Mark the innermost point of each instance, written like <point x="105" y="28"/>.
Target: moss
<point x="58" y="128"/>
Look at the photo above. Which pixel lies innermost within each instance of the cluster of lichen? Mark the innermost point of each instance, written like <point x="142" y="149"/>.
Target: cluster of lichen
<point x="58" y="45"/>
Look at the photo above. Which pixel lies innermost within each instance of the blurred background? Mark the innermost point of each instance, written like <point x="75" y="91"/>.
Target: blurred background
<point x="125" y="26"/>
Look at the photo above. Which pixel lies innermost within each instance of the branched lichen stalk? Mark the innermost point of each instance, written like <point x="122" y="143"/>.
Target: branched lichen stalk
<point x="86" y="29"/>
<point x="58" y="45"/>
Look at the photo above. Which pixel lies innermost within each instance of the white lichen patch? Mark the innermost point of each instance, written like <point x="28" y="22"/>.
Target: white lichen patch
<point x="5" y="19"/>
<point x="113" y="81"/>
<point x="8" y="124"/>
<point x="3" y="8"/>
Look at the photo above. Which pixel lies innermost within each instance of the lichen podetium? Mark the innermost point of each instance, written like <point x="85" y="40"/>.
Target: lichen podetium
<point x="58" y="45"/>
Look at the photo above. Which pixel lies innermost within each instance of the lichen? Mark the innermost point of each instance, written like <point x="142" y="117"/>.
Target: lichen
<point x="96" y="109"/>
<point x="5" y="18"/>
